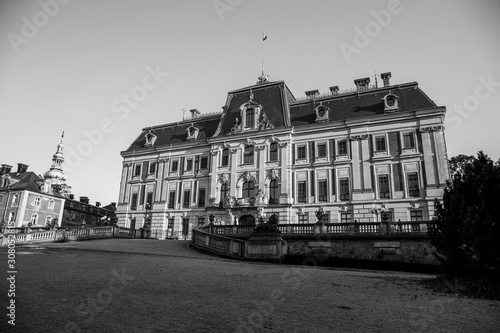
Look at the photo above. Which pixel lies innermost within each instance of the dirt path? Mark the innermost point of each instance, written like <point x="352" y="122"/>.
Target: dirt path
<point x="163" y="286"/>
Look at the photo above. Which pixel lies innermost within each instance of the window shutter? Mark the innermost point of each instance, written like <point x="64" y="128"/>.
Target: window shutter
<point x="311" y="151"/>
<point x="293" y="153"/>
<point x="398" y="186"/>
<point x="312" y="183"/>
<point x="332" y="149"/>
<point x="333" y="181"/>
<point x="145" y="169"/>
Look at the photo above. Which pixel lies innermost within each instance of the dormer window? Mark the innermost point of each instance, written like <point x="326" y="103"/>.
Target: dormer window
<point x="250" y="115"/>
<point x="193" y="133"/>
<point x="390" y="103"/>
<point x="249" y="118"/>
<point x="150" y="139"/>
<point x="322" y="114"/>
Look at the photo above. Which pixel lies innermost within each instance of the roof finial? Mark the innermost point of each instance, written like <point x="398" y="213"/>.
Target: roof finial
<point x="263" y="78"/>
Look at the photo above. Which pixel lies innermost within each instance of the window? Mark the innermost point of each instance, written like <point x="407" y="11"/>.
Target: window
<point x="201" y="221"/>
<point x="383" y="187"/>
<point x="48" y="220"/>
<point x="133" y="205"/>
<point x="34" y="219"/>
<point x="342" y="147"/>
<point x="152" y="167"/>
<point x="380" y="143"/>
<point x="185" y="201"/>
<point x="303" y="218"/>
<point x="325" y="218"/>
<point x="175" y="166"/>
<point x="413" y="188"/>
<point x="149" y="200"/>
<point x="1" y="199"/>
<point x="408" y="140"/>
<point x="322" y="150"/>
<point x="344" y="189"/>
<point x="15" y="200"/>
<point x="201" y="197"/>
<point x="301" y="152"/>
<point x="137" y="170"/>
<point x="189" y="165"/>
<point x="249" y="118"/>
<point x="223" y="192"/>
<point x="171" y="199"/>
<point x="225" y="157"/>
<point x="322" y="191"/>
<point x="51" y="204"/>
<point x="12" y="216"/>
<point x="185" y="226"/>
<point x="302" y="192"/>
<point x="416" y="216"/>
<point x="273" y="152"/>
<point x="273" y="192"/>
<point x="248" y="189"/>
<point x="37" y="201"/>
<point x="204" y="163"/>
<point x="345" y="217"/>
<point x="248" y="154"/>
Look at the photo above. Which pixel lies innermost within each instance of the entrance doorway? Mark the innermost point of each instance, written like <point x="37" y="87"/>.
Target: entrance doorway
<point x="247" y="220"/>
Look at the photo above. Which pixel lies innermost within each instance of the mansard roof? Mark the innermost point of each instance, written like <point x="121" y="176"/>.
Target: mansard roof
<point x="360" y="104"/>
<point x="24" y="181"/>
<point x="284" y="110"/>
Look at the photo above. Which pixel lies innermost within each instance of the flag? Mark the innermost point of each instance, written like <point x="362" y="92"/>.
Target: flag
<point x="264" y="37"/>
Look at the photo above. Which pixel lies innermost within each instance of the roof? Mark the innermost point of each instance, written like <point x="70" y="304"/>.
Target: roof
<point x="24" y="181"/>
<point x="284" y="110"/>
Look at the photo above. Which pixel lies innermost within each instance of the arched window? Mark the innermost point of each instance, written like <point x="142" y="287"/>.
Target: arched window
<point x="248" y="154"/>
<point x="273" y="192"/>
<point x="15" y="200"/>
<point x="34" y="219"/>
<point x="223" y="192"/>
<point x="51" y="204"/>
<point x="12" y="216"/>
<point x="248" y="189"/>
<point x="48" y="220"/>
<point x="273" y="152"/>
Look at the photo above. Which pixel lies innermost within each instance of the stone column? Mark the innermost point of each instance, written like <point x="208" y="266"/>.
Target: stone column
<point x="285" y="175"/>
<point x="212" y="195"/>
<point x="233" y="167"/>
<point x="429" y="163"/>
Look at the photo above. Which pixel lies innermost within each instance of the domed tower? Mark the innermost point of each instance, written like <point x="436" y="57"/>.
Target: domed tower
<point x="55" y="178"/>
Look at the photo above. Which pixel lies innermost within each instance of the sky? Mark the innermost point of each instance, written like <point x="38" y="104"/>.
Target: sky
<point x="102" y="70"/>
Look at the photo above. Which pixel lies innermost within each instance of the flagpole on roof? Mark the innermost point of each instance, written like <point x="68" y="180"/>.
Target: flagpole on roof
<point x="263" y="39"/>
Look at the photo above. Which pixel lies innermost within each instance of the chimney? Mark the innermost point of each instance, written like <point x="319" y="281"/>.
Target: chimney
<point x="5" y="168"/>
<point x="385" y="77"/>
<point x="97" y="204"/>
<point x="312" y="93"/>
<point x="362" y="84"/>
<point x="113" y="204"/>
<point x="84" y="200"/>
<point x="334" y="90"/>
<point x="22" y="168"/>
<point x="72" y="197"/>
<point x="194" y="113"/>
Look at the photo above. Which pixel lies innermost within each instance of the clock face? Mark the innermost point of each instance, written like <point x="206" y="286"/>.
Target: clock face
<point x="390" y="101"/>
<point x="321" y="112"/>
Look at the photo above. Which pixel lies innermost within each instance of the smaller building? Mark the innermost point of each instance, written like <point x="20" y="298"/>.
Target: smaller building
<point x="80" y="212"/>
<point x="23" y="201"/>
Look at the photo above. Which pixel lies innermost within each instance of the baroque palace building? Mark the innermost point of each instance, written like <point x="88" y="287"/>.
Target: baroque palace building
<point x="355" y="153"/>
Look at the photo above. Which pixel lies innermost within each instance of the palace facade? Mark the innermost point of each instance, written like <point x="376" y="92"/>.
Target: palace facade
<point x="356" y="153"/>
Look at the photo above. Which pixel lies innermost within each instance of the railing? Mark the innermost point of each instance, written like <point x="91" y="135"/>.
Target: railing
<point x="218" y="244"/>
<point x="372" y="228"/>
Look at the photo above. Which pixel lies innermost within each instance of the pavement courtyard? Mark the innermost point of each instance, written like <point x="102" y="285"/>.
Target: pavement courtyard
<point x="134" y="285"/>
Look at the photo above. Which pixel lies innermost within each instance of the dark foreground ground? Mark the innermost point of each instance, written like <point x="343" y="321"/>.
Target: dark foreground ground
<point x="138" y="285"/>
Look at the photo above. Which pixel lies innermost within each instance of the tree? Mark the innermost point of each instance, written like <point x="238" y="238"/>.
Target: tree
<point x="466" y="226"/>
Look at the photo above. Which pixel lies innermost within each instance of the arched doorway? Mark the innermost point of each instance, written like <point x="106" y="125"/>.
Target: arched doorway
<point x="247" y="220"/>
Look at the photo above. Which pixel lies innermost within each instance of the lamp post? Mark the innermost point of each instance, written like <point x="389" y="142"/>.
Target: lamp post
<point x="384" y="215"/>
<point x="147" y="224"/>
<point x="211" y="218"/>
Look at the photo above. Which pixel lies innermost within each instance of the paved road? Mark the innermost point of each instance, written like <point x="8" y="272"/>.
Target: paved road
<point x="124" y="285"/>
